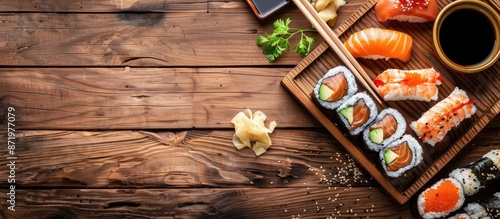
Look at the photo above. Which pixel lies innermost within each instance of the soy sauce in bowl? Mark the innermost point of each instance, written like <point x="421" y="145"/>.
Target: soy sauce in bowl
<point x="467" y="37"/>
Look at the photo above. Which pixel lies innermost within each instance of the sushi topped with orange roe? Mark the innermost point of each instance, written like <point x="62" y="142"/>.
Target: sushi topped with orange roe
<point x="417" y="11"/>
<point x="449" y="194"/>
<point x="441" y="199"/>
<point x="380" y="43"/>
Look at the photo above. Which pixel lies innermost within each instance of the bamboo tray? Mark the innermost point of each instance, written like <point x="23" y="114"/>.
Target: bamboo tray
<point x="484" y="87"/>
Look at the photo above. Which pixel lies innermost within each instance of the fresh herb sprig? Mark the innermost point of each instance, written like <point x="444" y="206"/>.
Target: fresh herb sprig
<point x="278" y="42"/>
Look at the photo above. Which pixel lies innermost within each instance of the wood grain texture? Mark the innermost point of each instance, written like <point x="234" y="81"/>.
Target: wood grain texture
<point x="123" y="110"/>
<point x="197" y="158"/>
<point x="145" y="98"/>
<point x="198" y="174"/>
<point x="483" y="88"/>
<point x="231" y="203"/>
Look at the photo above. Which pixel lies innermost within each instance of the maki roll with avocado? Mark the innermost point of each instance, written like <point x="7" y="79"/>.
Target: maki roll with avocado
<point x="387" y="127"/>
<point x="357" y="112"/>
<point x="401" y="155"/>
<point x="336" y="86"/>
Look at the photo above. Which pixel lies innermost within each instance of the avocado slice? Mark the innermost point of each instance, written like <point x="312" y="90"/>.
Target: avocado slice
<point x="377" y="135"/>
<point x="324" y="92"/>
<point x="390" y="156"/>
<point x="348" y="113"/>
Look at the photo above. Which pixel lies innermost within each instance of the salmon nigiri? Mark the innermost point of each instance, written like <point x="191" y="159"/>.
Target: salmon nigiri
<point x="376" y="43"/>
<point x="418" y="11"/>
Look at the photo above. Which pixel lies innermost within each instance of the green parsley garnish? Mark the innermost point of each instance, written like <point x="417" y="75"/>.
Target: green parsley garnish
<point x="278" y="42"/>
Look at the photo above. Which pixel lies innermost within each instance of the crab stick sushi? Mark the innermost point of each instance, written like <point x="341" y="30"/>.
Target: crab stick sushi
<point x="401" y="155"/>
<point x="421" y="84"/>
<point x="434" y="124"/>
<point x="417" y="11"/>
<point x="357" y="112"/>
<point x="335" y="87"/>
<point x="378" y="43"/>
<point x="441" y="199"/>
<point x="387" y="127"/>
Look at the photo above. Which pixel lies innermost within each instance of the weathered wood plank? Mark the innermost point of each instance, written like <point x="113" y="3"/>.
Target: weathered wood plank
<point x="145" y="98"/>
<point x="181" y="38"/>
<point x="84" y="6"/>
<point x="79" y="6"/>
<point x="344" y="202"/>
<point x="196" y="158"/>
<point x="136" y="39"/>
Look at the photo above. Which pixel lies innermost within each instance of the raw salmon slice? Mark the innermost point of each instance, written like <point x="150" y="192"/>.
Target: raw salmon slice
<point x="377" y="43"/>
<point x="417" y="11"/>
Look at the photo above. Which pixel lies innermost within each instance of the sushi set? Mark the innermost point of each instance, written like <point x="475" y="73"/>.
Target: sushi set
<point x="408" y="115"/>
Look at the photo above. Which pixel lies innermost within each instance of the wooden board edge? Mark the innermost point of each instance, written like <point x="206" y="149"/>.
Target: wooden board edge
<point x="321" y="48"/>
<point x="360" y="12"/>
<point x="354" y="151"/>
<point x="446" y="157"/>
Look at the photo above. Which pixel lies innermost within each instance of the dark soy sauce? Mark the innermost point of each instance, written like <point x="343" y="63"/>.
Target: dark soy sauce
<point x="267" y="7"/>
<point x="467" y="37"/>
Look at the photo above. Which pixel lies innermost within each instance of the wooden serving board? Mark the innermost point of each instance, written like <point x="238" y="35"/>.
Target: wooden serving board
<point x="484" y="87"/>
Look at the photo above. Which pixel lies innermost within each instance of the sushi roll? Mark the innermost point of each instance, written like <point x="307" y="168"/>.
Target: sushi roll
<point x="434" y="124"/>
<point x="357" y="112"/>
<point x="489" y="207"/>
<point x="436" y="202"/>
<point x="417" y="11"/>
<point x="380" y="43"/>
<point x="468" y="179"/>
<point x="441" y="199"/>
<point x="485" y="208"/>
<point x="387" y="127"/>
<point x="421" y="84"/>
<point x="335" y="87"/>
<point x="479" y="174"/>
<point x="401" y="155"/>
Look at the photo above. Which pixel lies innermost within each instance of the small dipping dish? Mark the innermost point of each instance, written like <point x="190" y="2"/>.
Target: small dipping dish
<point x="466" y="36"/>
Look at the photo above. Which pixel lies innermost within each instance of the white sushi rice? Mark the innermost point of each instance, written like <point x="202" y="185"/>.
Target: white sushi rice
<point x="431" y="215"/>
<point x="475" y="210"/>
<point x="460" y="216"/>
<point x="352" y="87"/>
<point x="395" y="96"/>
<point x="416" y="153"/>
<point x="409" y="18"/>
<point x="400" y="129"/>
<point x="494" y="155"/>
<point x="424" y="119"/>
<point x="351" y="102"/>
<point x="468" y="179"/>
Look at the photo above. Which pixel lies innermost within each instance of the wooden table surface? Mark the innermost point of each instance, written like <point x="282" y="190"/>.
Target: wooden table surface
<point x="123" y="110"/>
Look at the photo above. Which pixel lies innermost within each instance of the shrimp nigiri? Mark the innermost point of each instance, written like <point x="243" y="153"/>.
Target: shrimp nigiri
<point x="439" y="119"/>
<point x="376" y="43"/>
<point x="421" y="84"/>
<point x="417" y="11"/>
